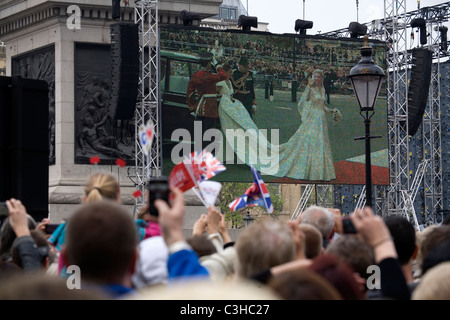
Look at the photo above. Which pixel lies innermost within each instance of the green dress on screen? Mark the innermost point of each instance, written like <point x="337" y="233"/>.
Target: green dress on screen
<point x="305" y="156"/>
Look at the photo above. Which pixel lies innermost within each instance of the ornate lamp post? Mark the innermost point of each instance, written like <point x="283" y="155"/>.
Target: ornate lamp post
<point x="366" y="78"/>
<point x="248" y="219"/>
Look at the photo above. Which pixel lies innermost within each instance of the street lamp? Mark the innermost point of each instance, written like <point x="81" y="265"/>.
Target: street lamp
<point x="248" y="219"/>
<point x="366" y="78"/>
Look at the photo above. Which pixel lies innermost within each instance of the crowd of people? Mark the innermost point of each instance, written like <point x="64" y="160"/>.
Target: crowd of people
<point x="102" y="252"/>
<point x="272" y="54"/>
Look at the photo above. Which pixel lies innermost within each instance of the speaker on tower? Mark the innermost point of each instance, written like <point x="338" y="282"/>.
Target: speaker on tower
<point x="422" y="25"/>
<point x="125" y="69"/>
<point x="418" y="89"/>
<point x="5" y="138"/>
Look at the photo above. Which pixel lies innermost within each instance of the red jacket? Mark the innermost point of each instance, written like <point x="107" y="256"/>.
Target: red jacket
<point x="204" y="84"/>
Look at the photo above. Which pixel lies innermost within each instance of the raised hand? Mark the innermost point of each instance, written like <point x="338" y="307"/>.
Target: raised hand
<point x="18" y="217"/>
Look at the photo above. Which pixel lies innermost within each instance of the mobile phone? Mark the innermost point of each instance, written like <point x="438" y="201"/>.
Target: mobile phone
<point x="158" y="188"/>
<point x="347" y="225"/>
<point x="4" y="212"/>
<point x="51" y="227"/>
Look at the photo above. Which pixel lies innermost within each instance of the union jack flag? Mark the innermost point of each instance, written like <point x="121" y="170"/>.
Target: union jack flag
<point x="204" y="165"/>
<point x="256" y="195"/>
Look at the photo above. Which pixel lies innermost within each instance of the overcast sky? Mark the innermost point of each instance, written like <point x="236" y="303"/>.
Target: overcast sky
<point x="326" y="15"/>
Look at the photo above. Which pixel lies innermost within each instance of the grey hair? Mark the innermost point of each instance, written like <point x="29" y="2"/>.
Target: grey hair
<point x="319" y="217"/>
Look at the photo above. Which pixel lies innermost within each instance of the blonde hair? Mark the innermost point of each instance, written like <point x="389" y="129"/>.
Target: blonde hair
<point x="422" y="241"/>
<point x="204" y="289"/>
<point x="264" y="244"/>
<point x="101" y="186"/>
<point x="435" y="284"/>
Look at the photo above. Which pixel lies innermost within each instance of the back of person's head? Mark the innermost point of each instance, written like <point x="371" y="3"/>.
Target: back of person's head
<point x="303" y="284"/>
<point x="202" y="245"/>
<point x="151" y="267"/>
<point x="208" y="290"/>
<point x="102" y="186"/>
<point x="339" y="274"/>
<point x="438" y="235"/>
<point x="319" y="217"/>
<point x="7" y="237"/>
<point x="9" y="270"/>
<point x="262" y="245"/>
<point x="446" y="221"/>
<point x="101" y="239"/>
<point x="438" y="254"/>
<point x="422" y="240"/>
<point x="43" y="248"/>
<point x="404" y="235"/>
<point x="313" y="240"/>
<point x="354" y="252"/>
<point x="41" y="287"/>
<point x="435" y="284"/>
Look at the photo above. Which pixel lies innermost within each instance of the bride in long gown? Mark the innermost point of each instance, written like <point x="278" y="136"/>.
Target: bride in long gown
<point x="305" y="156"/>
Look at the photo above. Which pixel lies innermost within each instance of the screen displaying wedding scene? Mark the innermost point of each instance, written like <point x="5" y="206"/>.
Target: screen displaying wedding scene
<point x="281" y="103"/>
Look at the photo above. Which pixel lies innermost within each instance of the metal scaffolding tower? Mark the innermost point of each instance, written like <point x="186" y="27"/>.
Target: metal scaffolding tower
<point x="431" y="132"/>
<point x="395" y="24"/>
<point x="393" y="31"/>
<point x="147" y="108"/>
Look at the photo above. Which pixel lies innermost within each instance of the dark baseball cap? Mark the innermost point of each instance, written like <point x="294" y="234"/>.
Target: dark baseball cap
<point x="205" y="56"/>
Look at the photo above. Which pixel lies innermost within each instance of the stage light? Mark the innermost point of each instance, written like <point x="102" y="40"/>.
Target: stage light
<point x="187" y="17"/>
<point x="116" y="9"/>
<point x="302" y="25"/>
<point x="421" y="24"/>
<point x="357" y="29"/>
<point x="246" y="22"/>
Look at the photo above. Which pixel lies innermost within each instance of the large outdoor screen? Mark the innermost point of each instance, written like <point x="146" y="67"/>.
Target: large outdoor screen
<point x="282" y="103"/>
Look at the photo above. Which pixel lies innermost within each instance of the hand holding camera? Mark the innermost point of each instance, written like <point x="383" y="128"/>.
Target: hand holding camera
<point x="374" y="232"/>
<point x="171" y="218"/>
<point x="158" y="188"/>
<point x="347" y="226"/>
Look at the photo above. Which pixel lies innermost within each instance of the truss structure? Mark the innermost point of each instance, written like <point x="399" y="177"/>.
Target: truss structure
<point x="393" y="31"/>
<point x="431" y="132"/>
<point x="323" y="194"/>
<point x="303" y="201"/>
<point x="147" y="108"/>
<point x="361" y="199"/>
<point x="409" y="197"/>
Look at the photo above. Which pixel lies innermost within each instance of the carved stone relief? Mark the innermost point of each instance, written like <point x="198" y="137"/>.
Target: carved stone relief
<point x="97" y="133"/>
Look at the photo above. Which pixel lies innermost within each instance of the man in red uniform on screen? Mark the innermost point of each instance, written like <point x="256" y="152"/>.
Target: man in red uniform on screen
<point x="202" y="92"/>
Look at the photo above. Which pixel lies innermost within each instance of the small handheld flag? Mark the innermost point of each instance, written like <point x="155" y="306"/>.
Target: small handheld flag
<point x="197" y="167"/>
<point x="256" y="195"/>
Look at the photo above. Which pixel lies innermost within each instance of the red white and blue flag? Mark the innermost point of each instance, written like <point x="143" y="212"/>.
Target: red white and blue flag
<point x="204" y="165"/>
<point x="256" y="195"/>
<point x="195" y="169"/>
